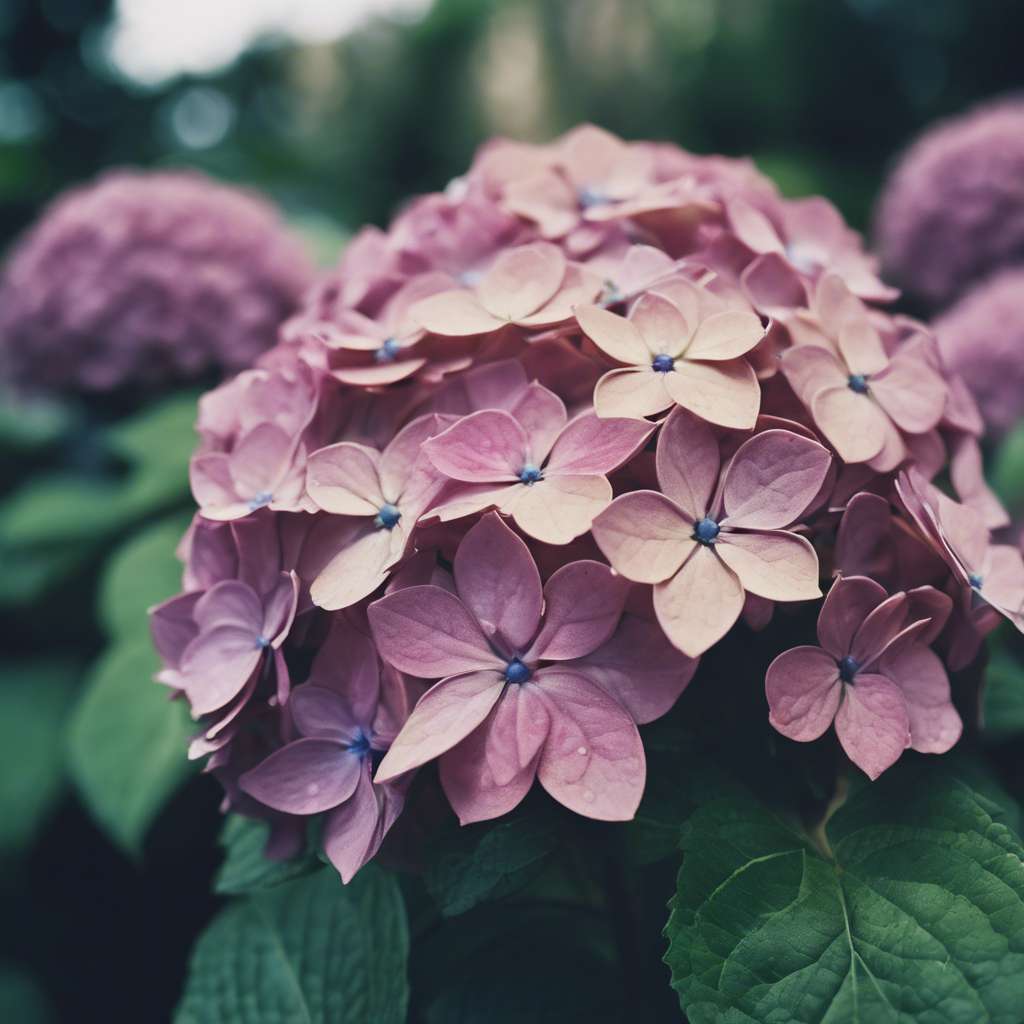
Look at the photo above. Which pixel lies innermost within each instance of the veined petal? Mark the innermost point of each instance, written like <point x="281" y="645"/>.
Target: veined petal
<point x="592" y="445"/>
<point x="522" y="280"/>
<point x="726" y="335"/>
<point x="455" y="314"/>
<point x="490" y="446"/>
<point x="353" y="831"/>
<point x="473" y="498"/>
<point x="861" y="347"/>
<point x="580" y="287"/>
<point x="688" y="462"/>
<point x="645" y="536"/>
<point x="854" y="425"/>
<point x="700" y="603"/>
<point x="773" y="564"/>
<point x="725" y="393"/>
<point x="216" y="666"/>
<point x="614" y="335"/>
<point x="918" y="671"/>
<point x="230" y="603"/>
<point x="847" y="604"/>
<point x="355" y="571"/>
<point x="803" y="690"/>
<point x="541" y="413"/>
<point x="632" y="392"/>
<point x="560" y="508"/>
<point x="661" y="324"/>
<point x="343" y="479"/>
<point x="307" y="776"/>
<point x="911" y="393"/>
<point x="873" y="723"/>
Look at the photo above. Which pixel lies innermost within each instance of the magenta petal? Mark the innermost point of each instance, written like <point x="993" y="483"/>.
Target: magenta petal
<point x="688" y="462"/>
<point x="849" y="602"/>
<point x="593" y="760"/>
<point x="217" y="665"/>
<point x="541" y="413"/>
<point x="485" y="447"/>
<point x="172" y="626"/>
<point x="279" y="608"/>
<point x="230" y="603"/>
<point x="325" y="714"/>
<point x="880" y="629"/>
<point x="873" y="723"/>
<point x="304" y="777"/>
<point x="590" y="445"/>
<point x="347" y="664"/>
<point x="918" y="671"/>
<point x="429" y="633"/>
<point x="582" y="605"/>
<point x="639" y="668"/>
<point x="803" y="690"/>
<point x="353" y="831"/>
<point x="772" y="479"/>
<point x="445" y="715"/>
<point x="496" y="577"/>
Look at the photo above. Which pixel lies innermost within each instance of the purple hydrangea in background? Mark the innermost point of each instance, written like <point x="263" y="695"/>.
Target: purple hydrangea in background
<point x="953" y="210"/>
<point x="143" y="279"/>
<point x="982" y="338"/>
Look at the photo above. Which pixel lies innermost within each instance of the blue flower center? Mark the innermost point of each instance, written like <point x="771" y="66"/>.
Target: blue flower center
<point x="259" y="500"/>
<point x="386" y="518"/>
<point x="387" y="352"/>
<point x="706" y="531"/>
<point x="848" y="668"/>
<point x="517" y="672"/>
<point x="859" y="383"/>
<point x="663" y="363"/>
<point x="262" y="641"/>
<point x="530" y="475"/>
<point x="591" y="195"/>
<point x="611" y="294"/>
<point x="975" y="580"/>
<point x="360" y="745"/>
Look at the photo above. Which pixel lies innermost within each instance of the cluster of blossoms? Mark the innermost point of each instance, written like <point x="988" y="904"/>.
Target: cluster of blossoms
<point x="524" y="457"/>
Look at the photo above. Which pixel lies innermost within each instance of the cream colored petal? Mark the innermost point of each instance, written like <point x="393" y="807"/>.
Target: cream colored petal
<point x="614" y="335"/>
<point x="773" y="564"/>
<point x="725" y="393"/>
<point x="558" y="509"/>
<point x="633" y="393"/>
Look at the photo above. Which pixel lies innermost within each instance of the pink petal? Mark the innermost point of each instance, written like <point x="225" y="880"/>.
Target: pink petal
<point x="582" y="605"/>
<point x="172" y="626"/>
<point x="259" y="460"/>
<point x="230" y="603"/>
<point x="773" y="286"/>
<point x="631" y="392"/>
<point x="279" y="608"/>
<point x="469" y="500"/>
<point x="378" y="374"/>
<point x="591" y="445"/>
<point x="560" y="508"/>
<point x="593" y="760"/>
<point x="542" y="415"/>
<point x="772" y="479"/>
<point x="661" y="325"/>
<point x="455" y="314"/>
<point x="847" y="604"/>
<point x="862" y="348"/>
<point x="305" y="777"/>
<point x="445" y="715"/>
<point x="803" y="692"/>
<point x="325" y="714"/>
<point x="725" y="393"/>
<point x="777" y="565"/>
<point x="853" y="424"/>
<point x="522" y="280"/>
<point x="216" y="666"/>
<point x="429" y="633"/>
<point x="726" y="335"/>
<point x="688" y="462"/>
<point x="863" y="542"/>
<point x="700" y="603"/>
<point x="639" y="668"/>
<point x="753" y="228"/>
<point x="645" y="535"/>
<point x="881" y="627"/>
<point x="1003" y="582"/>
<point x="396" y="462"/>
<point x="485" y="447"/>
<point x="343" y="479"/>
<point x="873" y="723"/>
<point x="358" y="569"/>
<point x="579" y="288"/>
<point x="499" y="583"/>
<point x="353" y="831"/>
<point x="918" y="671"/>
<point x="809" y="369"/>
<point x="966" y="470"/>
<point x="911" y="393"/>
<point x="545" y="199"/>
<point x="962" y="531"/>
<point x="614" y="335"/>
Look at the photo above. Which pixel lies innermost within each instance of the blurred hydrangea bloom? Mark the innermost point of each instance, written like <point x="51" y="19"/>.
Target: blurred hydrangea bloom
<point x="953" y="209"/>
<point x="143" y="279"/>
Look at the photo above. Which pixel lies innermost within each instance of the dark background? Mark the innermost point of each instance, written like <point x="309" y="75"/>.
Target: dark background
<point x="823" y="93"/>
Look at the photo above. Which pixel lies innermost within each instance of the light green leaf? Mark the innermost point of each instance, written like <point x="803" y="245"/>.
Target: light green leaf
<point x="59" y="507"/>
<point x="140" y="574"/>
<point x="36" y="696"/>
<point x="246" y="868"/>
<point x="921" y="919"/>
<point x="127" y="743"/>
<point x="311" y="951"/>
<point x="468" y="864"/>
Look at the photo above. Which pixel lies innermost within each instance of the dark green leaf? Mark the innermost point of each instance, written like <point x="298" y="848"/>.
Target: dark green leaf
<point x="311" y="951"/>
<point x="127" y="742"/>
<point x="246" y="869"/>
<point x="1007" y="473"/>
<point x="26" y="573"/>
<point x="1004" y="697"/>
<point x="22" y="999"/>
<point x="36" y="694"/>
<point x="920" y="919"/>
<point x="469" y="864"/>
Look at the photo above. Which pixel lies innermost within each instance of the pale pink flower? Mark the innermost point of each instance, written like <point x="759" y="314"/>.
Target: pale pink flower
<point x="345" y="713"/>
<point x="885" y="689"/>
<point x="533" y="464"/>
<point x="681" y="345"/>
<point x="383" y="494"/>
<point x="532" y="286"/>
<point x="711" y="536"/>
<point x="502" y="712"/>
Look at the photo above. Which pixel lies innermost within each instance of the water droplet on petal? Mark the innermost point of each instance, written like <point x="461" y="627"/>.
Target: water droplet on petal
<point x="581" y="750"/>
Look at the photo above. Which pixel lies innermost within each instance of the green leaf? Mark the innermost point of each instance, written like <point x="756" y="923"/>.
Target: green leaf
<point x="59" y="507"/>
<point x="127" y="742"/>
<point x="311" y="951"/>
<point x="1007" y="473"/>
<point x="246" y="869"/>
<point x="26" y="573"/>
<point x="142" y="573"/>
<point x="36" y="695"/>
<point x="1004" y="697"/>
<point x="22" y="999"/>
<point x="920" y="919"/>
<point x="469" y="864"/>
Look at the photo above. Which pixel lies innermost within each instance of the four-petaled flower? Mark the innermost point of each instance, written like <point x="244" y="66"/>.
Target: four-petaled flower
<point x="544" y="682"/>
<point x="706" y="540"/>
<point x="873" y="674"/>
<point x="680" y="345"/>
<point x="533" y="464"/>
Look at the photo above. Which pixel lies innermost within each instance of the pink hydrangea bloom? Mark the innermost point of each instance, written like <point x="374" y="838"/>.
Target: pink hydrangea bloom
<point x="708" y="537"/>
<point x="147" y="279"/>
<point x="517" y="696"/>
<point x="885" y="689"/>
